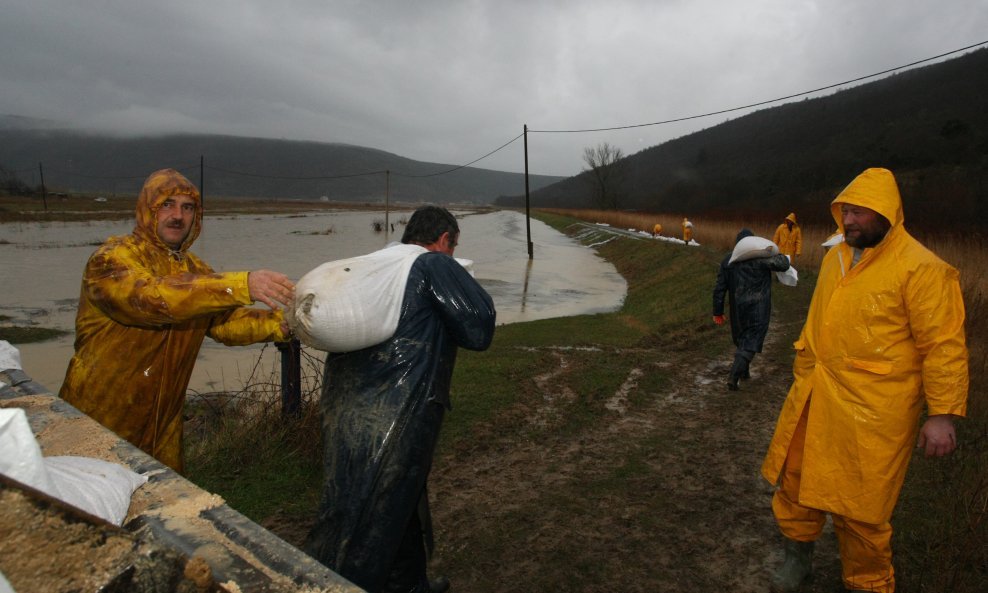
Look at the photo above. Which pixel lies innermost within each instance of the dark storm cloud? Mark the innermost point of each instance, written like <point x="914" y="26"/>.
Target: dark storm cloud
<point x="449" y="81"/>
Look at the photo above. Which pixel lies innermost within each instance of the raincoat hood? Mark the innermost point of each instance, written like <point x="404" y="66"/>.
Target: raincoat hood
<point x="875" y="189"/>
<point x="158" y="187"/>
<point x="791" y="217"/>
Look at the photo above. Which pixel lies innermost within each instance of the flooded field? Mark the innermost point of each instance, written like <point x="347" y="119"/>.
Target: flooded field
<point x="42" y="265"/>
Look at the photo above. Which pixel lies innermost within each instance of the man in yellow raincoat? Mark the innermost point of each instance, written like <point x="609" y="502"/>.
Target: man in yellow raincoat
<point x="885" y="330"/>
<point x="687" y="231"/>
<point x="145" y="305"/>
<point x="789" y="237"/>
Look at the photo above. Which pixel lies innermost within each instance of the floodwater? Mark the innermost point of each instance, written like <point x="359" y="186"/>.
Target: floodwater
<point x="41" y="267"/>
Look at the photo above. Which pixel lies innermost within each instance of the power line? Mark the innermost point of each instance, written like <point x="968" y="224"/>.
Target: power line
<point x="722" y="111"/>
<point x="466" y="165"/>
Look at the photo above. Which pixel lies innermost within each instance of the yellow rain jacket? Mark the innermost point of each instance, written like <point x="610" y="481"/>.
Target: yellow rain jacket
<point x="879" y="339"/>
<point x="687" y="230"/>
<point x="790" y="241"/>
<point x="143" y="312"/>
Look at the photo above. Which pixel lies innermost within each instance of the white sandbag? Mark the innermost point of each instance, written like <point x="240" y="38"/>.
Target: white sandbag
<point x="789" y="277"/>
<point x="832" y="240"/>
<point x="354" y="303"/>
<point x="98" y="487"/>
<point x="20" y="455"/>
<point x="752" y="247"/>
<point x="10" y="357"/>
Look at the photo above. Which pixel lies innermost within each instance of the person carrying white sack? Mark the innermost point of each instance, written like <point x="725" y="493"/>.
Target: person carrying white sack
<point x="382" y="408"/>
<point x="746" y="275"/>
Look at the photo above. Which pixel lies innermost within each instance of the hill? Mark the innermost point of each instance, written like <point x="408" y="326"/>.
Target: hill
<point x="928" y="125"/>
<point x="234" y="166"/>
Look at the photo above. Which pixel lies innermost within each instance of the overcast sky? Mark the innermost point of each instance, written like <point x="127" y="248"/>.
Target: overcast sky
<point x="449" y="81"/>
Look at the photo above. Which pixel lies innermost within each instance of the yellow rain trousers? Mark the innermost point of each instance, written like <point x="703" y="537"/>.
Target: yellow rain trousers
<point x="790" y="241"/>
<point x="143" y="312"/>
<point x="880" y="338"/>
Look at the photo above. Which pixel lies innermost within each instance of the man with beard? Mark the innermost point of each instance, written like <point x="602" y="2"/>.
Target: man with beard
<point x="884" y="332"/>
<point x="145" y="306"/>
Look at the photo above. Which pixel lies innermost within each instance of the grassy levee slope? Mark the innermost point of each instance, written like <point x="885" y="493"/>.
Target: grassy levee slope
<point x="603" y="453"/>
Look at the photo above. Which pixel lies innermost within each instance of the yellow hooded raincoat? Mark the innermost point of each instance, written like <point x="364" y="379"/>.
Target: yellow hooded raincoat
<point x="790" y="241"/>
<point x="143" y="312"/>
<point x="687" y="230"/>
<point x="879" y="339"/>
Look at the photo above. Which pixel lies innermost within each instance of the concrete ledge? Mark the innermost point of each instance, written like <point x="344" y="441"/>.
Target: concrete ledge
<point x="168" y="512"/>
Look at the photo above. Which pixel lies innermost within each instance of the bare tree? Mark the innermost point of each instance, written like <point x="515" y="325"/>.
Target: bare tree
<point x="604" y="172"/>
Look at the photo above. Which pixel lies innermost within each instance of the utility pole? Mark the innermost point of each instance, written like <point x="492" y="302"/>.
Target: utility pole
<point x="44" y="192"/>
<point x="528" y="221"/>
<point x="387" y="203"/>
<point x="202" y="181"/>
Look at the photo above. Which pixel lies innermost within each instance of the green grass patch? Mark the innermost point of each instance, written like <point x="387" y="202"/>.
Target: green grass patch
<point x="25" y="335"/>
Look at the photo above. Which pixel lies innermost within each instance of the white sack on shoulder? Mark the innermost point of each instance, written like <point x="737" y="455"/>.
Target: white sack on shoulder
<point x="354" y="303"/>
<point x="752" y="247"/>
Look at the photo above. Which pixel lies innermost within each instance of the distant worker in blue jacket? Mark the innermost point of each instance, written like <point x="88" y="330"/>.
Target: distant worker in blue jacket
<point x="749" y="285"/>
<point x="382" y="408"/>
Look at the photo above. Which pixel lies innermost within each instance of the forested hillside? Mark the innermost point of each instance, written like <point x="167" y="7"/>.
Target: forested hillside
<point x="928" y="125"/>
<point x="242" y="167"/>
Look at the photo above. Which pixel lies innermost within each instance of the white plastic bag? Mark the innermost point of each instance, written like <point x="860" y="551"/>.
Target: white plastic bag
<point x="354" y="303"/>
<point x="752" y="247"/>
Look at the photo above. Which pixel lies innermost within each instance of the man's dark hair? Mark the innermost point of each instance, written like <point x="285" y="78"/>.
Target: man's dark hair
<point x="428" y="223"/>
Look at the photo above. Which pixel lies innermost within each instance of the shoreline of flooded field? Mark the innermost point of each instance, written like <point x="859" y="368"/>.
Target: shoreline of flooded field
<point x="43" y="264"/>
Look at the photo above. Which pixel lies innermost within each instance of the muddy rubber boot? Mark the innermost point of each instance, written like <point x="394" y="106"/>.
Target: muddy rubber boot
<point x="795" y="569"/>
<point x="738" y="370"/>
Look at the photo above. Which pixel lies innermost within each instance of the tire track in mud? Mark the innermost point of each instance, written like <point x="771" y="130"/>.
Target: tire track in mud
<point x="698" y="516"/>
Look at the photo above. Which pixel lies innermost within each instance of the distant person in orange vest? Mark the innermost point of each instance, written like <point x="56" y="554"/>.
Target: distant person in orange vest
<point x="687" y="230"/>
<point x="788" y="237"/>
<point x="656" y="230"/>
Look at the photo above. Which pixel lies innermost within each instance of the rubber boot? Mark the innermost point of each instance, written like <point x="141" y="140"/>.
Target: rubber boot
<point x="795" y="569"/>
<point x="738" y="370"/>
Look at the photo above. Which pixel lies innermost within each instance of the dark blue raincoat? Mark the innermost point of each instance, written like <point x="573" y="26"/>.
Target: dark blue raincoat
<point x="749" y="284"/>
<point x="382" y="410"/>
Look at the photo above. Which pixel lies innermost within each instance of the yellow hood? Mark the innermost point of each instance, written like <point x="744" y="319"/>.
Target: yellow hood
<point x="158" y="187"/>
<point x="875" y="189"/>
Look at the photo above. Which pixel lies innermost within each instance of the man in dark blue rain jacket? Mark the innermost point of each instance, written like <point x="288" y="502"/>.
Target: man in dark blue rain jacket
<point x="749" y="284"/>
<point x="382" y="408"/>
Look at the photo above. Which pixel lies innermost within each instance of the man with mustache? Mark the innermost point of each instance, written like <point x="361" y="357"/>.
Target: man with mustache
<point x="884" y="334"/>
<point x="145" y="306"/>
